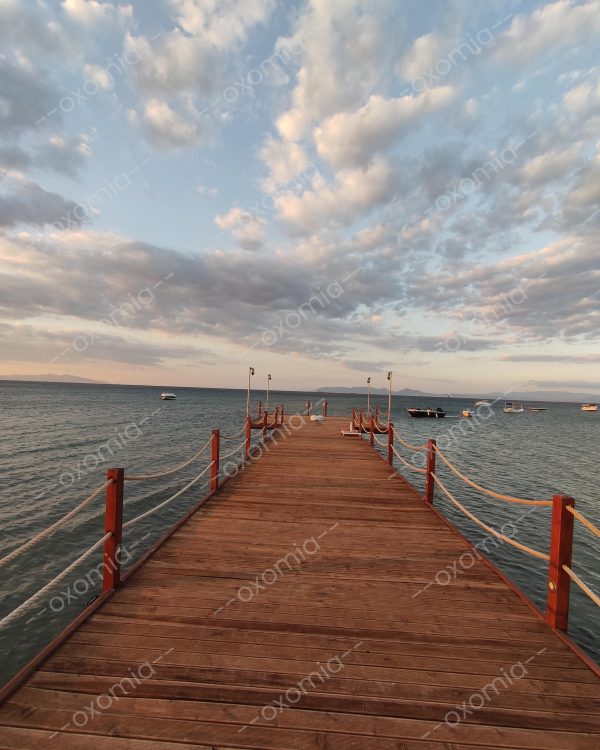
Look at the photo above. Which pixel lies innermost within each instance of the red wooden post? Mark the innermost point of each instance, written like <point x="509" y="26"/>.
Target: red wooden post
<point x="353" y="418"/>
<point x="561" y="553"/>
<point x="281" y="412"/>
<point x="276" y="416"/>
<point x="390" y="444"/>
<point x="377" y="413"/>
<point x="264" y="427"/>
<point x="214" y="469"/>
<point x="113" y="523"/>
<point x="260" y="408"/>
<point x="360" y="421"/>
<point x="324" y="408"/>
<point x="429" y="480"/>
<point x="372" y="428"/>
<point x="248" y="436"/>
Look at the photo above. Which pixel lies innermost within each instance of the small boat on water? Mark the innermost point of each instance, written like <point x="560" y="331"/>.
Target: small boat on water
<point x="483" y="402"/>
<point x="535" y="409"/>
<point x="430" y="413"/>
<point x="589" y="407"/>
<point x="512" y="408"/>
<point x="467" y="413"/>
<point x="168" y="396"/>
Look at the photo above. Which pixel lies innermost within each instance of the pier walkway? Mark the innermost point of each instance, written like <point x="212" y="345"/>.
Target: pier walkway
<point x="295" y="610"/>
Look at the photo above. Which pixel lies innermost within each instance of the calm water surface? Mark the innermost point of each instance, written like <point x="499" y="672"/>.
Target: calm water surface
<point x="53" y="452"/>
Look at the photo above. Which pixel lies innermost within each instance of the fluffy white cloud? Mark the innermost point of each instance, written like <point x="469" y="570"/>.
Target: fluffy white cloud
<point x="284" y="159"/>
<point x="247" y="229"/>
<point x="223" y="23"/>
<point x="352" y="138"/>
<point x="354" y="193"/>
<point x="163" y="127"/>
<point x="92" y="12"/>
<point x="421" y="57"/>
<point x="545" y="30"/>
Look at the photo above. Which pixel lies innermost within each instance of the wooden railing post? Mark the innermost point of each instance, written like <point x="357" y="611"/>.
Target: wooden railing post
<point x="324" y="408"/>
<point x="282" y="413"/>
<point x="214" y="469"/>
<point x="264" y="427"/>
<point x="260" y="408"/>
<point x="390" y="444"/>
<point x="429" y="480"/>
<point x="308" y="408"/>
<point x="561" y="553"/>
<point x="360" y="421"/>
<point x="276" y="418"/>
<point x="248" y="437"/>
<point x="113" y="523"/>
<point x="353" y="417"/>
<point x="377" y="413"/>
<point x="372" y="431"/>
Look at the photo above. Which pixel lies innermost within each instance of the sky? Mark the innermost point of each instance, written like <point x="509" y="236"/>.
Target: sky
<point x="324" y="190"/>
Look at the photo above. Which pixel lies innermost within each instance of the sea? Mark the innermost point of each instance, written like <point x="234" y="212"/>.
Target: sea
<point x="58" y="439"/>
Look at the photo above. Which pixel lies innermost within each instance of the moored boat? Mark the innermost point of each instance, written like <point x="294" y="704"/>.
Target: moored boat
<point x="167" y="396"/>
<point x="512" y="408"/>
<point x="589" y="407"/>
<point x="467" y="413"/>
<point x="483" y="402"/>
<point x="534" y="409"/>
<point x="426" y="413"/>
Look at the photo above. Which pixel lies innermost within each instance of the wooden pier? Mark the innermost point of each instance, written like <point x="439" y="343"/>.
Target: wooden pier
<point x="297" y="609"/>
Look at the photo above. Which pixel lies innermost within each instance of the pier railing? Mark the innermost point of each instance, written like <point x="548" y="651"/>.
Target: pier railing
<point x="114" y="491"/>
<point x="560" y="554"/>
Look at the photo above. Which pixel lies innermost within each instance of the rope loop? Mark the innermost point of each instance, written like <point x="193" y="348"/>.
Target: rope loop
<point x="168" y="472"/>
<point x="583" y="586"/>
<point x="580" y="517"/>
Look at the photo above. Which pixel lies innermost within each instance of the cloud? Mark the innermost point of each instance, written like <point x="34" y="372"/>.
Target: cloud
<point x="247" y="229"/>
<point x="284" y="160"/>
<point x="207" y="192"/>
<point x="164" y="128"/>
<point x="89" y="13"/>
<point x="546" y="30"/>
<point x="352" y="138"/>
<point x="28" y="203"/>
<point x="568" y="358"/>
<point x="25" y="97"/>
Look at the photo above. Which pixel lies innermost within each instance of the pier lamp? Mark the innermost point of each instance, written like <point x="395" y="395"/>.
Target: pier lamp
<point x="389" y="377"/>
<point x="368" y="395"/>
<point x="268" y="381"/>
<point x="250" y="374"/>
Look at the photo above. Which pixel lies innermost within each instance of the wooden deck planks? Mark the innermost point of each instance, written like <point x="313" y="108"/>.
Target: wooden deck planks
<point x="314" y="558"/>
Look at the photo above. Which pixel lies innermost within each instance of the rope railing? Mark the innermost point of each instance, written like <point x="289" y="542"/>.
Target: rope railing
<point x="489" y="529"/>
<point x="33" y="600"/>
<point x="234" y="451"/>
<point x="582" y="519"/>
<point x="169" y="499"/>
<point x="583" y="586"/>
<point x="61" y="522"/>
<point x="410" y="446"/>
<point x="233" y="437"/>
<point x="407" y="463"/>
<point x="173" y="470"/>
<point x="490" y="493"/>
<point x="382" y="443"/>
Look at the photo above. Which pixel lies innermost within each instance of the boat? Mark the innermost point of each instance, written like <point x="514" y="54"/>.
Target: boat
<point x="467" y="413"/>
<point x="512" y="408"/>
<point x="483" y="402"/>
<point x="168" y="396"/>
<point x="534" y="409"/>
<point x="431" y="413"/>
<point x="589" y="407"/>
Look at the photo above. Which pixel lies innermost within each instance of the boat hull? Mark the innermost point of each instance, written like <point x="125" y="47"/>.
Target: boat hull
<point x="426" y="413"/>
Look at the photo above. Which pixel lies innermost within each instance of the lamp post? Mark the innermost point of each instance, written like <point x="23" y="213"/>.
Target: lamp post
<point x="368" y="395"/>
<point x="268" y="381"/>
<point x="389" y="377"/>
<point x="250" y="374"/>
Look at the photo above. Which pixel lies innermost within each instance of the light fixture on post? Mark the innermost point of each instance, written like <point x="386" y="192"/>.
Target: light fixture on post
<point x="268" y="381"/>
<point x="389" y="377"/>
<point x="368" y="395"/>
<point x="250" y="374"/>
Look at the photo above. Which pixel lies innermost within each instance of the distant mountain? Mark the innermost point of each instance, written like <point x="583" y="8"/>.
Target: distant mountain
<point x="567" y="396"/>
<point x="46" y="378"/>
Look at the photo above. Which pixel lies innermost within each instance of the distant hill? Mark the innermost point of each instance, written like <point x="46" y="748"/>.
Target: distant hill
<point x="510" y="396"/>
<point x="46" y="378"/>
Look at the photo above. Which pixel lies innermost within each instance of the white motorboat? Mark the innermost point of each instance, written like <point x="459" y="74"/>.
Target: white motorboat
<point x="483" y="402"/>
<point x="168" y="396"/>
<point x="589" y="407"/>
<point x="512" y="408"/>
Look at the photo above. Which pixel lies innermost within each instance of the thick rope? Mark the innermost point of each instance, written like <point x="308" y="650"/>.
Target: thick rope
<point x="410" y="446"/>
<point x="490" y="493"/>
<point x="167" y="472"/>
<point x="27" y="605"/>
<point x="168" y="500"/>
<point x="583" y="586"/>
<point x="228" y="455"/>
<point x="233" y="437"/>
<point x="580" y="517"/>
<point x="382" y="443"/>
<point x="406" y="463"/>
<point x="43" y="534"/>
<point x="489" y="529"/>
